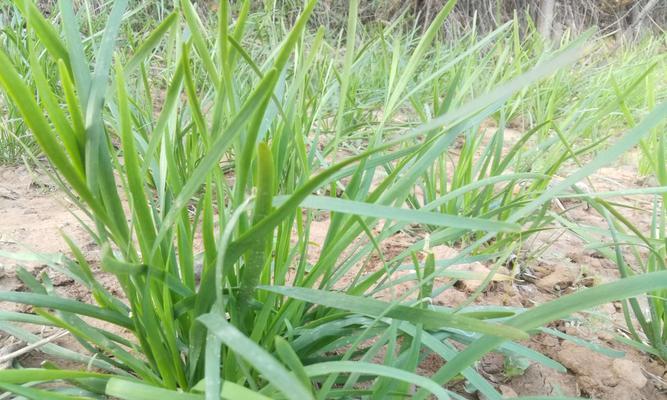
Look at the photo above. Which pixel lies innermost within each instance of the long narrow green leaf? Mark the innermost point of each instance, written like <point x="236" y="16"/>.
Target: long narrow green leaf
<point x="129" y="390"/>
<point x="603" y="158"/>
<point x="26" y="375"/>
<point x="199" y="41"/>
<point x="353" y="11"/>
<point x="292" y="38"/>
<point x="377" y="308"/>
<point x="57" y="116"/>
<point x="45" y="31"/>
<point x="103" y="61"/>
<point x="218" y="148"/>
<point x="259" y="358"/>
<point x="150" y="43"/>
<point x="417" y="56"/>
<point x="74" y="107"/>
<point x="24" y="99"/>
<point x="58" y="303"/>
<point x="141" y="210"/>
<point x="402" y="214"/>
<point x="38" y="394"/>
<point x="53" y="349"/>
<point x="256" y="259"/>
<point x="502" y="92"/>
<point x="358" y="367"/>
<point x="233" y="391"/>
<point x="291" y="359"/>
<point x="79" y="68"/>
<point x="551" y="311"/>
<point x="289" y="206"/>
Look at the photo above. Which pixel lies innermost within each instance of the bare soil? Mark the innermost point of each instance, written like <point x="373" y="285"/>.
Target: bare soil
<point x="33" y="214"/>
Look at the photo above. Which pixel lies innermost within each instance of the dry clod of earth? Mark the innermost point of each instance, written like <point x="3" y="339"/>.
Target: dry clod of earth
<point x="599" y="376"/>
<point x="562" y="277"/>
<point x="539" y="380"/>
<point x="631" y="372"/>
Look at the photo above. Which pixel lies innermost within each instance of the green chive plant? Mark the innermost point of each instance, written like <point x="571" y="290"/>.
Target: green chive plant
<point x="201" y="183"/>
<point x="645" y="317"/>
<point x="646" y="251"/>
<point x="636" y="249"/>
<point x="14" y="137"/>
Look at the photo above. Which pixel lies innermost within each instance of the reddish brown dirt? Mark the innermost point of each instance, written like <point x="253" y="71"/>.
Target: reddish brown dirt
<point x="33" y="212"/>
